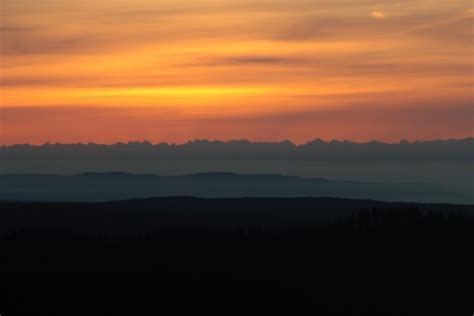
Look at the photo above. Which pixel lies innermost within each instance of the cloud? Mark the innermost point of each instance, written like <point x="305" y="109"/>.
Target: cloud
<point x="4" y="28"/>
<point x="43" y="81"/>
<point x="379" y="15"/>
<point x="298" y="49"/>
<point x="31" y="44"/>
<point x="455" y="29"/>
<point x="316" y="26"/>
<point x="251" y="60"/>
<point x="113" y="27"/>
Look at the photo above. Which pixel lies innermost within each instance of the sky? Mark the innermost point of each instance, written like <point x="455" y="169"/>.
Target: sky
<point x="176" y="70"/>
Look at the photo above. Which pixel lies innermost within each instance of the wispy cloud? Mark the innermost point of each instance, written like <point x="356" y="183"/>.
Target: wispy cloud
<point x="188" y="55"/>
<point x="379" y="15"/>
<point x="249" y="60"/>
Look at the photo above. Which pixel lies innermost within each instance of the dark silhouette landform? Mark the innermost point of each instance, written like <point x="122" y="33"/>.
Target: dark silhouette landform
<point x="176" y="256"/>
<point x="446" y="163"/>
<point x="122" y="186"/>
<point x="223" y="243"/>
<point x="450" y="150"/>
<point x="146" y="215"/>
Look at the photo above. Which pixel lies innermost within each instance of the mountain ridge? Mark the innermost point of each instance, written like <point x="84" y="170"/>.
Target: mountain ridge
<point x="246" y="141"/>
<point x="121" y="186"/>
<point x="454" y="149"/>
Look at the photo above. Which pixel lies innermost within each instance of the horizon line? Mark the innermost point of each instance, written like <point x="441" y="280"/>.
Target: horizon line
<point x="203" y="140"/>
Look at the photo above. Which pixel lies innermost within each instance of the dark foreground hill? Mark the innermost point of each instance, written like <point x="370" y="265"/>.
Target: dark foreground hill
<point x="122" y="186"/>
<point x="142" y="216"/>
<point x="186" y="256"/>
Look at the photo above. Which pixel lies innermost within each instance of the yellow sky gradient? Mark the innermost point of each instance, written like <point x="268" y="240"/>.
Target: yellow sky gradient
<point x="83" y="70"/>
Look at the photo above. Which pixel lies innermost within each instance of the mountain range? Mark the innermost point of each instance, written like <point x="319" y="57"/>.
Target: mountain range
<point x="122" y="186"/>
<point x="438" y="150"/>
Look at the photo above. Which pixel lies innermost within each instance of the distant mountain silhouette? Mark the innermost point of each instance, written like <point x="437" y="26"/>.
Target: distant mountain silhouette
<point x="121" y="186"/>
<point x="462" y="149"/>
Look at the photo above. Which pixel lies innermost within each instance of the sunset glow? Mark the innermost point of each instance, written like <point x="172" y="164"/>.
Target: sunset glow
<point x="162" y="70"/>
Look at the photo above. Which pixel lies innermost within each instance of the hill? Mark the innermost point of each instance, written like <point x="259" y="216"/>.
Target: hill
<point x="147" y="215"/>
<point x="176" y="256"/>
<point x="123" y="186"/>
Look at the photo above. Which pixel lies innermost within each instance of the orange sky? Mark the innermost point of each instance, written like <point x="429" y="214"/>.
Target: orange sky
<point x="174" y="70"/>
